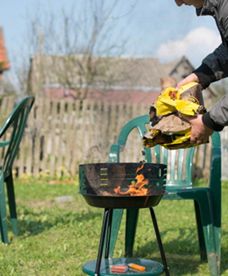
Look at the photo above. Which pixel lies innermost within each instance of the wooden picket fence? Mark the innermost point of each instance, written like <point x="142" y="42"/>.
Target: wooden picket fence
<point x="61" y="134"/>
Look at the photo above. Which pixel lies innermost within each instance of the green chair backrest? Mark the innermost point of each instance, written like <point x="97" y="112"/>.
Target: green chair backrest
<point x="14" y="125"/>
<point x="179" y="162"/>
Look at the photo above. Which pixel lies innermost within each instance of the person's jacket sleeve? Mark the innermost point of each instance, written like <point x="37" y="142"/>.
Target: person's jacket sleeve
<point x="214" y="67"/>
<point x="217" y="117"/>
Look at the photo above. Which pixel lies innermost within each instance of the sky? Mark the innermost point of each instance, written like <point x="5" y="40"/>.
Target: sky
<point x="152" y="28"/>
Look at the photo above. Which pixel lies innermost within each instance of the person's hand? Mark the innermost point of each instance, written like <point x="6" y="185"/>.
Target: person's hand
<point x="199" y="132"/>
<point x="190" y="78"/>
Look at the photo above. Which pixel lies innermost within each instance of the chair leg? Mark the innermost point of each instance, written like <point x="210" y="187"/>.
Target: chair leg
<point x="216" y="203"/>
<point x="3" y="219"/>
<point x="209" y="235"/>
<point x="217" y="235"/>
<point x="131" y="224"/>
<point x="202" y="247"/>
<point x="12" y="203"/>
<point x="116" y="221"/>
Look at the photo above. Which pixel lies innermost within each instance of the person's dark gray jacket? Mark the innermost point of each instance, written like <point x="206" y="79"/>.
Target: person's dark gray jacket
<point x="215" y="66"/>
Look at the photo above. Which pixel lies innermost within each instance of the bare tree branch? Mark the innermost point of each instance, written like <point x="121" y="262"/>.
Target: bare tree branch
<point x="67" y="49"/>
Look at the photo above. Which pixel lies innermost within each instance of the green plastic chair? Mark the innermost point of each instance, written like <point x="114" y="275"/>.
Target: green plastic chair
<point x="11" y="134"/>
<point x="207" y="200"/>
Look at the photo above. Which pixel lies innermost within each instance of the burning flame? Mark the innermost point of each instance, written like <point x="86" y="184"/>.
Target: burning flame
<point x="136" y="188"/>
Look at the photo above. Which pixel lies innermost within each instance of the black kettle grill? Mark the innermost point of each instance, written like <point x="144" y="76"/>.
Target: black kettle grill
<point x="99" y="181"/>
<point x="99" y="184"/>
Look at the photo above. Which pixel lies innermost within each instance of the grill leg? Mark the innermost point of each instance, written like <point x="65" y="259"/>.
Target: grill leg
<point x="108" y="235"/>
<point x="157" y="233"/>
<point x="102" y="239"/>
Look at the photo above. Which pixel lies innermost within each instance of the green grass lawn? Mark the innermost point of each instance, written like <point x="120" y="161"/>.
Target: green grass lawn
<point x="57" y="237"/>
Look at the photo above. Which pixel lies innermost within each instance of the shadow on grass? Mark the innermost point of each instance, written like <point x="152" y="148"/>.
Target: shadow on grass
<point x="179" y="251"/>
<point x="182" y="252"/>
<point x="31" y="227"/>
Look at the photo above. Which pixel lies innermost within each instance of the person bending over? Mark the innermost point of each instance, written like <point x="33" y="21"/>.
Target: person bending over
<point x="213" y="68"/>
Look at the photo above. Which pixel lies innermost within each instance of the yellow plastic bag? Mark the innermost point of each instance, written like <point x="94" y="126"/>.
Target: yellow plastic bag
<point x="170" y="127"/>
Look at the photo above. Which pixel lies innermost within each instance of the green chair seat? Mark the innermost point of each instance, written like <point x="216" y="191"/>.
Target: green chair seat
<point x="179" y="186"/>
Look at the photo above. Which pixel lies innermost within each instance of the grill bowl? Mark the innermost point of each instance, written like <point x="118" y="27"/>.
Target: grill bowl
<point x="98" y="181"/>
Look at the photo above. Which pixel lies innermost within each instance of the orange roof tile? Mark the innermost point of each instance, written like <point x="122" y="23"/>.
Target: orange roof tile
<point x="4" y="62"/>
